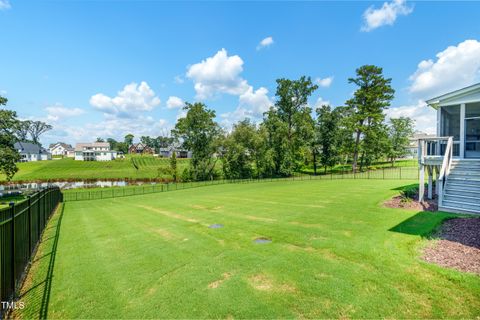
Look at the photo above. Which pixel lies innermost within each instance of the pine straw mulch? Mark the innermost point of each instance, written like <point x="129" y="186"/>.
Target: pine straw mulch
<point x="457" y="245"/>
<point x="412" y="204"/>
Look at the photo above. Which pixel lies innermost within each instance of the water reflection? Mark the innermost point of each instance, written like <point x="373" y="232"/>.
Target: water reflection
<point x="73" y="184"/>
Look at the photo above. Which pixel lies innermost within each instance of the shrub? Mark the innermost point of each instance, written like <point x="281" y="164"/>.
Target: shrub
<point x="409" y="194"/>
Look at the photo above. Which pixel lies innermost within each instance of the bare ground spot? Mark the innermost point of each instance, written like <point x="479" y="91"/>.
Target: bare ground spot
<point x="202" y="207"/>
<point x="264" y="282"/>
<point x="306" y="225"/>
<point x="456" y="245"/>
<point x="260" y="219"/>
<point x="152" y="291"/>
<point x="294" y="247"/>
<point x="168" y="213"/>
<point x="215" y="284"/>
<point x="167" y="235"/>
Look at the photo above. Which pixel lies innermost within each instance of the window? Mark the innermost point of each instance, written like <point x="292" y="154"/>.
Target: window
<point x="472" y="110"/>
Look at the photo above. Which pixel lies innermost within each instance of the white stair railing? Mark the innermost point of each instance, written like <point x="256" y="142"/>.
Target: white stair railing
<point x="430" y="157"/>
<point x="445" y="170"/>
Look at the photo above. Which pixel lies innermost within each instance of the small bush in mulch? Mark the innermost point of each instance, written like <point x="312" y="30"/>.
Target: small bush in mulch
<point x="456" y="245"/>
<point x="408" y="199"/>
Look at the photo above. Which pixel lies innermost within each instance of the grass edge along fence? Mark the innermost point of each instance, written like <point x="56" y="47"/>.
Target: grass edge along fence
<point x="397" y="173"/>
<point x="21" y="228"/>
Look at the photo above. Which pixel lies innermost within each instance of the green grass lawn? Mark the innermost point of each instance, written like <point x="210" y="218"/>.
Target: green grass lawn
<point x="335" y="252"/>
<point x="137" y="167"/>
<point x="132" y="167"/>
<point x="5" y="201"/>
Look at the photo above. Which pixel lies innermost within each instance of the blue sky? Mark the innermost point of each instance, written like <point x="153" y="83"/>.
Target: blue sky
<point x="107" y="68"/>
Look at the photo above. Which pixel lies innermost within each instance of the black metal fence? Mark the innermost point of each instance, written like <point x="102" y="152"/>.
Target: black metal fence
<point x="397" y="173"/>
<point x="21" y="226"/>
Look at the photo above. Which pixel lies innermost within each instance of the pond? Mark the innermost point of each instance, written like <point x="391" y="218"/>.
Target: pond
<point x="64" y="185"/>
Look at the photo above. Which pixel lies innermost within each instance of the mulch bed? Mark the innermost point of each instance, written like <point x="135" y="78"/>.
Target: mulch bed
<point x="457" y="245"/>
<point x="425" y="205"/>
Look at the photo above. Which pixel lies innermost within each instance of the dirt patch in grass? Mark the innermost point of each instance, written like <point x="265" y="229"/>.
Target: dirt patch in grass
<point x="294" y="247"/>
<point x="260" y="219"/>
<point x="456" y="245"/>
<point x="263" y="282"/>
<point x="167" y="235"/>
<point x="412" y="204"/>
<point x="215" y="284"/>
<point x="168" y="213"/>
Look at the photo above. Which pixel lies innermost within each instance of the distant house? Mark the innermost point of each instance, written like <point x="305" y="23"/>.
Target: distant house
<point x="179" y="152"/>
<point x="31" y="152"/>
<point x="140" y="148"/>
<point x="96" y="151"/>
<point x="62" y="149"/>
<point x="413" y="146"/>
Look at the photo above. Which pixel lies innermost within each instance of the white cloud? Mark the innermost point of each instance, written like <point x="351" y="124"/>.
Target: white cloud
<point x="174" y="102"/>
<point x="132" y="99"/>
<point x="454" y="68"/>
<point x="178" y="79"/>
<point x="252" y="104"/>
<point x="256" y="101"/>
<point x="221" y="74"/>
<point x="59" y="112"/>
<point x="424" y="116"/>
<point x="109" y="127"/>
<point x="182" y="113"/>
<point x="386" y="15"/>
<point x="321" y="102"/>
<point x="324" y="82"/>
<point x="268" y="41"/>
<point x="5" y="4"/>
<point x="218" y="74"/>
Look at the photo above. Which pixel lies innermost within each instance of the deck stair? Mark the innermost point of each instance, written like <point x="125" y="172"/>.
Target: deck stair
<point x="462" y="187"/>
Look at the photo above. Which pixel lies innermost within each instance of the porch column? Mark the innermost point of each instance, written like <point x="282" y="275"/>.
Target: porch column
<point x="439" y="114"/>
<point x="462" y="130"/>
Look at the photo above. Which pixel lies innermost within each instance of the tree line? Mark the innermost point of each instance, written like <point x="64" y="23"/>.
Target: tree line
<point x="156" y="143"/>
<point x="291" y="136"/>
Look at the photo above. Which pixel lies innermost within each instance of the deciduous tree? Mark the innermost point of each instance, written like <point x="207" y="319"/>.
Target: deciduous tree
<point x="400" y="131"/>
<point x="128" y="139"/>
<point x="327" y="126"/>
<point x="36" y="129"/>
<point x="8" y="127"/>
<point x="199" y="133"/>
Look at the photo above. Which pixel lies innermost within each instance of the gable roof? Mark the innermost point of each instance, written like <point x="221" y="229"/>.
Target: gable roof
<point x="28" y="147"/>
<point x="62" y="144"/>
<point x="139" y="146"/>
<point x="80" y="146"/>
<point x="464" y="95"/>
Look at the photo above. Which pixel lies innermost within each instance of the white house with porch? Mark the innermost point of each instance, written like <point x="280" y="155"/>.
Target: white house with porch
<point x="453" y="157"/>
<point x="96" y="151"/>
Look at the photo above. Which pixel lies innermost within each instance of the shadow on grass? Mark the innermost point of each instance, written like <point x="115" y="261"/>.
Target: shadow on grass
<point x="423" y="223"/>
<point x="406" y="187"/>
<point x="35" y="292"/>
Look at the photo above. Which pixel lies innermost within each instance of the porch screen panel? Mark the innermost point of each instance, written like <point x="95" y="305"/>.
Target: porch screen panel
<point x="450" y="126"/>
<point x="472" y="130"/>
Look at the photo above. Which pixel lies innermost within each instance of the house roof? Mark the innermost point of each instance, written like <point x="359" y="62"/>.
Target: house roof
<point x="138" y="146"/>
<point x="64" y="145"/>
<point x="464" y="95"/>
<point x="28" y="147"/>
<point x="80" y="146"/>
